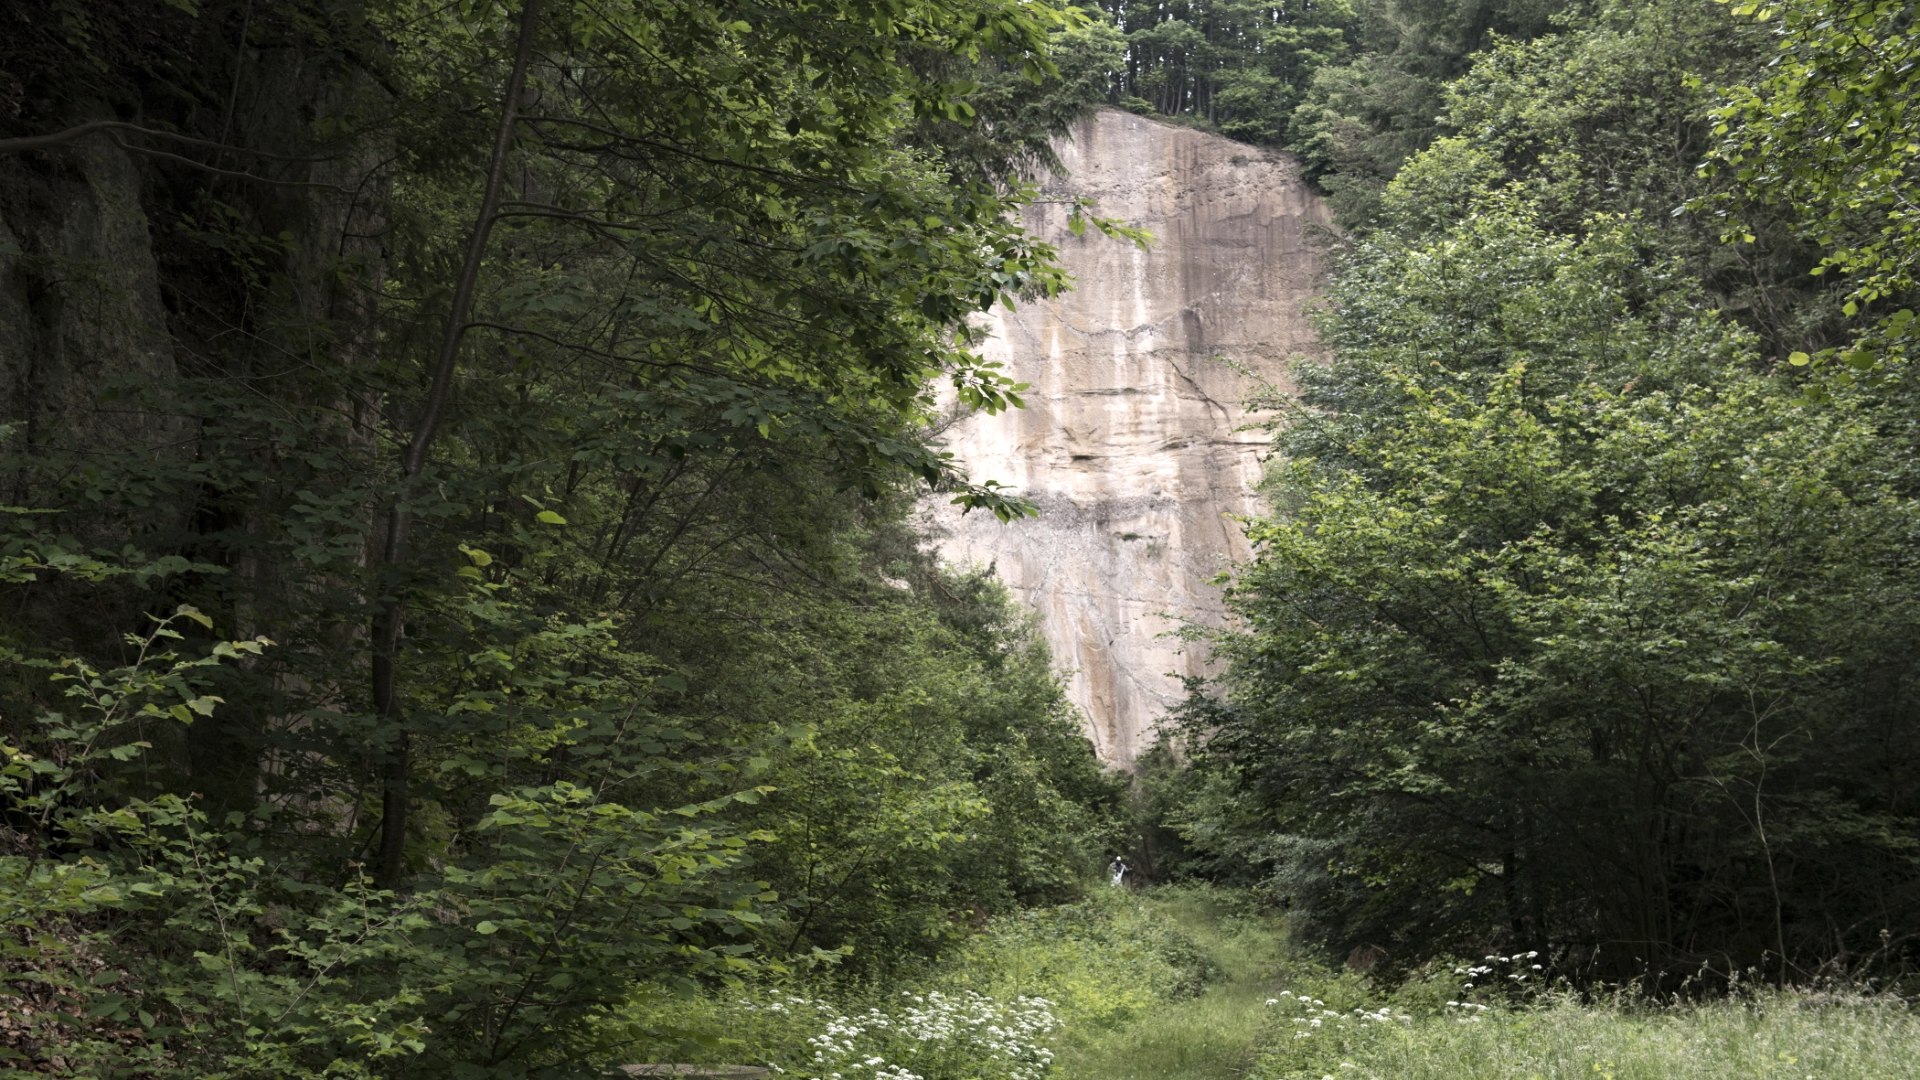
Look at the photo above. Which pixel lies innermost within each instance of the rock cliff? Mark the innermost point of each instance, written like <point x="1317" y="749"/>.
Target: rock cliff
<point x="1133" y="441"/>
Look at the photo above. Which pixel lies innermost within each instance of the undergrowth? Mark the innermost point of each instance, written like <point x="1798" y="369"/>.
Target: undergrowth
<point x="1195" y="983"/>
<point x="1493" y="1019"/>
<point x="1786" y="1034"/>
<point x="1074" y="976"/>
<point x="1104" y="962"/>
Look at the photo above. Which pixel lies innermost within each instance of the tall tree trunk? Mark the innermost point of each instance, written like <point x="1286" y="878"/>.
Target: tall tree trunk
<point x="390" y="617"/>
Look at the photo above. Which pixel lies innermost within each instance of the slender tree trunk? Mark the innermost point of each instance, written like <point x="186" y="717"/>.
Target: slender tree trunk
<point x="1511" y="894"/>
<point x="390" y="617"/>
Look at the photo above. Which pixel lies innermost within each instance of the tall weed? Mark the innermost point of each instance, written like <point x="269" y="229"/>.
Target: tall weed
<point x="1552" y="1033"/>
<point x="1103" y="962"/>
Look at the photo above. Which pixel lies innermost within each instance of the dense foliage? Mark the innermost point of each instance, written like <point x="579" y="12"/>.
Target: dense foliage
<point x="1238" y="66"/>
<point x="1354" y="88"/>
<point x="1828" y="135"/>
<point x="454" y="572"/>
<point x="455" y="583"/>
<point x="1584" y="622"/>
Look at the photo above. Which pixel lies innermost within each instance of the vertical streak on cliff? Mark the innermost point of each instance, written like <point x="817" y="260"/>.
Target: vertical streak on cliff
<point x="1130" y="442"/>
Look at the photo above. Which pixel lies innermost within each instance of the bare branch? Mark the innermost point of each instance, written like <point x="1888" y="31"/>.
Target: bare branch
<point x="216" y="170"/>
<point x="59" y="138"/>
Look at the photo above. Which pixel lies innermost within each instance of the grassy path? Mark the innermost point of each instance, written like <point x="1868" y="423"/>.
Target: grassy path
<point x="1213" y="1036"/>
<point x="1190" y="983"/>
<point x="1220" y="1033"/>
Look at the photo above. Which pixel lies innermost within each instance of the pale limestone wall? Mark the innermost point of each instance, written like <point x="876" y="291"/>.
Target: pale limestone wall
<point x="1131" y="441"/>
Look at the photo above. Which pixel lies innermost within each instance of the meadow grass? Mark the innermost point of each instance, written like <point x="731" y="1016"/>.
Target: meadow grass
<point x="1255" y="1016"/>
<point x="1105" y="962"/>
<point x="1784" y="1034"/>
<point x="1210" y="1035"/>
<point x="1195" y="983"/>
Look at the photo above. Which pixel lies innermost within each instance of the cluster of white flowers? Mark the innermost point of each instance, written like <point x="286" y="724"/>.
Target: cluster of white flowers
<point x="843" y="1038"/>
<point x="1009" y="1032"/>
<point x="1315" y="1015"/>
<point x="931" y="1034"/>
<point x="1516" y="970"/>
<point x="784" y="1003"/>
<point x="1468" y="1012"/>
<point x="1490" y="965"/>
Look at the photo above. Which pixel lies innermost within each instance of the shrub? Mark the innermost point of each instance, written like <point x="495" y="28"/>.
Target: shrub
<point x="1102" y="961"/>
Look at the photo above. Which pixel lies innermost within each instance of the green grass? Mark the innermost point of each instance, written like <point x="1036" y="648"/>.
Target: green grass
<point x="1210" y="1035"/>
<point x="1787" y="1035"/>
<point x="1229" y="1031"/>
<point x="1195" y="984"/>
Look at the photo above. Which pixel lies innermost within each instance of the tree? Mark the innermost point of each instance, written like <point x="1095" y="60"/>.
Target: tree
<point x="1827" y="136"/>
<point x="1550" y="637"/>
<point x="1358" y="120"/>
<point x="1236" y="66"/>
<point x="1554" y="643"/>
<point x="785" y="248"/>
<point x="635" y="360"/>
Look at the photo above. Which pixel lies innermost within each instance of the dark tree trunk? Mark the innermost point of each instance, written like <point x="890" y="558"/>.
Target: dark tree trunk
<point x="390" y="618"/>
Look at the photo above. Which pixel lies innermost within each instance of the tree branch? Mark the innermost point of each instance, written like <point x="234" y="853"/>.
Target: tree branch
<point x="59" y="138"/>
<point x="235" y="173"/>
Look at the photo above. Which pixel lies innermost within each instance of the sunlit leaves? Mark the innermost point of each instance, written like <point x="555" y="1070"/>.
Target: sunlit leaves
<point x="1829" y="133"/>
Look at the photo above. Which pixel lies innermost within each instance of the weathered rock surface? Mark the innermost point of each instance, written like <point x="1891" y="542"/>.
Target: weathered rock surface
<point x="1133" y="441"/>
<point x="80" y="298"/>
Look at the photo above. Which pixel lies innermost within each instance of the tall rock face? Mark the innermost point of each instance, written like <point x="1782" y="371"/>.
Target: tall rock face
<point x="1133" y="441"/>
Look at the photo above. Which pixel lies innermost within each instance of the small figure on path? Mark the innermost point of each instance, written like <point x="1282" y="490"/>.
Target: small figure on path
<point x="1118" y="869"/>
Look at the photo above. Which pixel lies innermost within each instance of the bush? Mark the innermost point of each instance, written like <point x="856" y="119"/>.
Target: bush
<point x="1102" y="962"/>
<point x="139" y="938"/>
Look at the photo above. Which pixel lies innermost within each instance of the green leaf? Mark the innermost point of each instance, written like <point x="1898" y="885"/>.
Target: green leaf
<point x="548" y="517"/>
